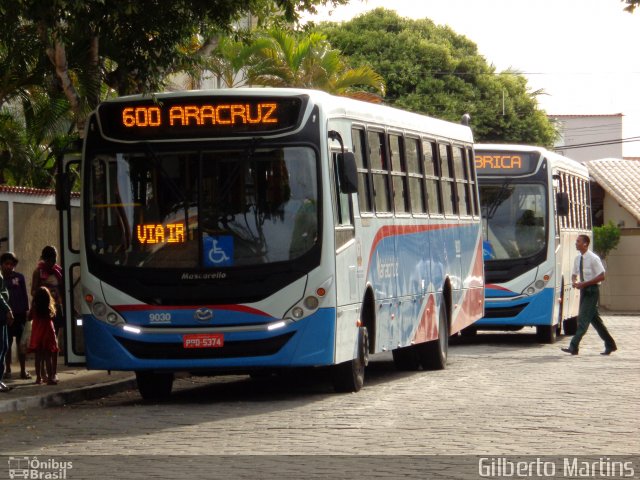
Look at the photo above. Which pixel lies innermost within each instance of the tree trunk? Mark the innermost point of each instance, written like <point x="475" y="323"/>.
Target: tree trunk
<point x="58" y="56"/>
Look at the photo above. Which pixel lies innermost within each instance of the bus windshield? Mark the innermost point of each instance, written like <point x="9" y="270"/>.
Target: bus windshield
<point x="202" y="209"/>
<point x="514" y="219"/>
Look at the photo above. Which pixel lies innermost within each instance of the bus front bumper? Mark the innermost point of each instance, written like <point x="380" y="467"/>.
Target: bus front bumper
<point x="526" y="311"/>
<point x="307" y="342"/>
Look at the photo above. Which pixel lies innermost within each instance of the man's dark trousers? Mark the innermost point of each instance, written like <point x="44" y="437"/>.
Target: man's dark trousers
<point x="588" y="314"/>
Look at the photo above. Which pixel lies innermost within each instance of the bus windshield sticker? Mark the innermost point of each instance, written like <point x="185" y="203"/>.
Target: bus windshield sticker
<point x="218" y="250"/>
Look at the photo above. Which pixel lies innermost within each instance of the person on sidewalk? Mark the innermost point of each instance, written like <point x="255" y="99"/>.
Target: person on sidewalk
<point x="19" y="302"/>
<point x="43" y="336"/>
<point x="49" y="274"/>
<point x="587" y="274"/>
<point x="6" y="319"/>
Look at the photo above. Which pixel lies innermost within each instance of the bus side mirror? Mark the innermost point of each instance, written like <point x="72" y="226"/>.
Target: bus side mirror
<point x="64" y="179"/>
<point x="63" y="191"/>
<point x="348" y="172"/>
<point x="562" y="203"/>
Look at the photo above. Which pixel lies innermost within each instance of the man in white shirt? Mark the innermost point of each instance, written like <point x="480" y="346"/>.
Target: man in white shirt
<point x="587" y="274"/>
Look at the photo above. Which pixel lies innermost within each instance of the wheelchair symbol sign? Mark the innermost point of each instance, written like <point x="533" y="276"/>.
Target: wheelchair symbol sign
<point x="218" y="251"/>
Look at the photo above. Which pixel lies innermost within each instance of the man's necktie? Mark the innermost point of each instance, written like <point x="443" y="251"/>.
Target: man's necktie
<point x="581" y="272"/>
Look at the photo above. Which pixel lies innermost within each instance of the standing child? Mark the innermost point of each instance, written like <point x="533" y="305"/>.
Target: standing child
<point x="43" y="336"/>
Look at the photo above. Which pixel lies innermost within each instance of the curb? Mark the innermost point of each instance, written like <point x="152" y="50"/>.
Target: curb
<point x="65" y="397"/>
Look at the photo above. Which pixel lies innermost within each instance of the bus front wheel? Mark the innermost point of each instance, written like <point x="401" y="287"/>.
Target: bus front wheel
<point x="349" y="376"/>
<point x="570" y="326"/>
<point x="153" y="385"/>
<point x="546" y="333"/>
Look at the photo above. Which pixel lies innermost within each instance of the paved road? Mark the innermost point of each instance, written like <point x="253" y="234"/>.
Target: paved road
<point x="502" y="394"/>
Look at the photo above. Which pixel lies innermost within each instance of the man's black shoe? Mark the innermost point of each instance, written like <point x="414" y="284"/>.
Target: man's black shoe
<point x="569" y="350"/>
<point x="607" y="351"/>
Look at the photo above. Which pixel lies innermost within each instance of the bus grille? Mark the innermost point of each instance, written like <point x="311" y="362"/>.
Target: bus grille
<point x="504" y="312"/>
<point x="175" y="351"/>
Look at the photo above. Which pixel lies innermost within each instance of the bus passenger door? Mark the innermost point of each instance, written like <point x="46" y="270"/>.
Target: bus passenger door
<point x="347" y="295"/>
<point x="68" y="206"/>
<point x="346" y="254"/>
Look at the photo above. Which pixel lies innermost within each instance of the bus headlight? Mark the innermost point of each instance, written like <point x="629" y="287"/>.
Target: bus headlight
<point x="99" y="309"/>
<point x="538" y="285"/>
<point x="311" y="302"/>
<point x="102" y="311"/>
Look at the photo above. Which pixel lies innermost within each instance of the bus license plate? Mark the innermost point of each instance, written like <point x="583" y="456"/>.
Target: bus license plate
<point x="203" y="340"/>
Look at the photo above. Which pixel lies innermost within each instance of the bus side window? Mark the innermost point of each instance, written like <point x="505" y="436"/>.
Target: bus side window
<point x="398" y="174"/>
<point x="588" y="202"/>
<point x="432" y="176"/>
<point x="462" y="181"/>
<point x="572" y="202"/>
<point x="379" y="171"/>
<point x="565" y="188"/>
<point x="448" y="180"/>
<point x="471" y="170"/>
<point x="416" y="175"/>
<point x="364" y="180"/>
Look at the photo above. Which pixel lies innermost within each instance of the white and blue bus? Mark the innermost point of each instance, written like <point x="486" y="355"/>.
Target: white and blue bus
<point x="253" y="230"/>
<point x="534" y="205"/>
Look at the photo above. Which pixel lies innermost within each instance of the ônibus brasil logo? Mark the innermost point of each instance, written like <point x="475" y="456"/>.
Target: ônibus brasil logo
<point x="35" y="468"/>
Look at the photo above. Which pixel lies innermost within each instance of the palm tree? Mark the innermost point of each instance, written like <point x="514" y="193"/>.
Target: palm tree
<point x="32" y="133"/>
<point x="279" y="59"/>
<point x="230" y="61"/>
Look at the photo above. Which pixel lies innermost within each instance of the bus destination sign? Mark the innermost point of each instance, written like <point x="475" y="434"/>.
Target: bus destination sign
<point x="506" y="163"/>
<point x="197" y="117"/>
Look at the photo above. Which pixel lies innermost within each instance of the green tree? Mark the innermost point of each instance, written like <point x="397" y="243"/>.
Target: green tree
<point x="605" y="239"/>
<point x="32" y="133"/>
<point x="433" y="70"/>
<point x="229" y="61"/>
<point x="72" y="54"/>
<point x="286" y="59"/>
<point x="631" y="5"/>
<point x="128" y="47"/>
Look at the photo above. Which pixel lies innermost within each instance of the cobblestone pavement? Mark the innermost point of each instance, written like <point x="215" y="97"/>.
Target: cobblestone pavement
<point x="502" y="394"/>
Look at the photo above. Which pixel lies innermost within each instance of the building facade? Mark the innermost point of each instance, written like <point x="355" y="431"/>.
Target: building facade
<point x="589" y="137"/>
<point x="28" y="222"/>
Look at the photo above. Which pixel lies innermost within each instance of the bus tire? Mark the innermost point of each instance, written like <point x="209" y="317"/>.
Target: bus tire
<point x="546" y="333"/>
<point x="570" y="326"/>
<point x="433" y="355"/>
<point x="154" y="385"/>
<point x="406" y="359"/>
<point x="349" y="376"/>
<point x="560" y="311"/>
<point x="470" y="331"/>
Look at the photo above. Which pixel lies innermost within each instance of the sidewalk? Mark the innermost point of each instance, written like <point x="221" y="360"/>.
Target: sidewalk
<point x="75" y="384"/>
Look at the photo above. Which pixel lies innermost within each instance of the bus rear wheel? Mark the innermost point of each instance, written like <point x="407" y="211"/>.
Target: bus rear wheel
<point x="349" y="376"/>
<point x="433" y="355"/>
<point x="154" y="385"/>
<point x="406" y="359"/>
